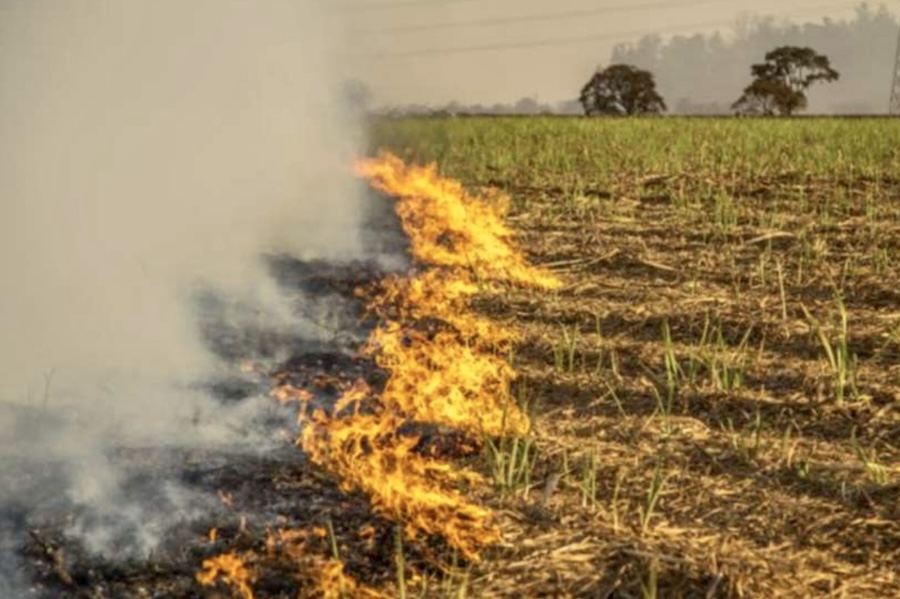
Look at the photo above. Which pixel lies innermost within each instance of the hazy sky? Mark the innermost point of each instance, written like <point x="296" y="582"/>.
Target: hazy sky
<point x="423" y="30"/>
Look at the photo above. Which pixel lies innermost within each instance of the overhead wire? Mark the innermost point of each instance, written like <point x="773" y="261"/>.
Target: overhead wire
<point x="537" y="18"/>
<point x="578" y="40"/>
<point x="364" y="7"/>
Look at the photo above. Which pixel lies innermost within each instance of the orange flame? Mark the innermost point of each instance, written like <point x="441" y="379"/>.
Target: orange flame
<point x="443" y="381"/>
<point x="334" y="583"/>
<point x="368" y="454"/>
<point x="232" y="569"/>
<point x="448" y="226"/>
<point x="441" y="370"/>
<point x="444" y="377"/>
<point x="438" y="292"/>
<point x="321" y="578"/>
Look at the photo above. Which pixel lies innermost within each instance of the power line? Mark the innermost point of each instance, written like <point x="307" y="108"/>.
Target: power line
<point x="571" y="41"/>
<point x="557" y="16"/>
<point x="894" y="105"/>
<point x="363" y="7"/>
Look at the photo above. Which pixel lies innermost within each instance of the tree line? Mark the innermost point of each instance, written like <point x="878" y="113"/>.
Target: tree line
<point x="703" y="74"/>
<point x="709" y="74"/>
<point x="778" y="87"/>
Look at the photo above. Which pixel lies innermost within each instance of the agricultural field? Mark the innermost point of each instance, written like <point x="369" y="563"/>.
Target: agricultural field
<point x="714" y="389"/>
<point x="599" y="358"/>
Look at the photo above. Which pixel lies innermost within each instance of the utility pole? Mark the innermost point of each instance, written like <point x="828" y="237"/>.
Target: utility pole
<point x="894" y="107"/>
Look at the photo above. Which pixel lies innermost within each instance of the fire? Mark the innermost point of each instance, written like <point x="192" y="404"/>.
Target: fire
<point x="368" y="453"/>
<point x="443" y="381"/>
<point x="444" y="377"/>
<point x="447" y="226"/>
<point x="431" y="293"/>
<point x="320" y="577"/>
<point x="232" y="569"/>
<point x="334" y="583"/>
<point x="443" y="369"/>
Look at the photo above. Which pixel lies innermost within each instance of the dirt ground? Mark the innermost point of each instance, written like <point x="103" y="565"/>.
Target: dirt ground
<point x="698" y="437"/>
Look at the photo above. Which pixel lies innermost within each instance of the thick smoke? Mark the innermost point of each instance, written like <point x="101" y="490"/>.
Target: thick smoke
<point x="151" y="152"/>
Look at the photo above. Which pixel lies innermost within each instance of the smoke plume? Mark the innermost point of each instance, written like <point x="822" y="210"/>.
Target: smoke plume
<point x="151" y="153"/>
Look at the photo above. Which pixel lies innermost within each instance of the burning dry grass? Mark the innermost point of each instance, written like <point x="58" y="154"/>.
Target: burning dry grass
<point x="232" y="569"/>
<point x="318" y="576"/>
<point x="449" y="227"/>
<point x="448" y="378"/>
<point x="440" y="380"/>
<point x="368" y="454"/>
<point x="427" y="293"/>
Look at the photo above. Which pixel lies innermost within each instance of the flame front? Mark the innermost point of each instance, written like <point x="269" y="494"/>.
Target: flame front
<point x="231" y="569"/>
<point x="445" y="377"/>
<point x="442" y="363"/>
<point x="444" y="381"/>
<point x="320" y="578"/>
<point x="368" y="453"/>
<point x="449" y="227"/>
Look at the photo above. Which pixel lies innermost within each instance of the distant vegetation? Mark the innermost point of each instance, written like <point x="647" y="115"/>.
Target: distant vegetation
<point x="703" y="74"/>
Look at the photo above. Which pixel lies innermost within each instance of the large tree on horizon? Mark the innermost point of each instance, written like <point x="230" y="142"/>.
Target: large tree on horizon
<point x="621" y="89"/>
<point x="780" y="83"/>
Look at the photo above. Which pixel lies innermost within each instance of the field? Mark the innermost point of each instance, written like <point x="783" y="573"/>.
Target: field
<point x="715" y="388"/>
<point x="604" y="358"/>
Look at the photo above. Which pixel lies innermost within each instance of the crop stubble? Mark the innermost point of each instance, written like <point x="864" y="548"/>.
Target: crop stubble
<point x="716" y="388"/>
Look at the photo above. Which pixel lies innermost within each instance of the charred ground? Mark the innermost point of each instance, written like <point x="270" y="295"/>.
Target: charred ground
<point x="244" y="493"/>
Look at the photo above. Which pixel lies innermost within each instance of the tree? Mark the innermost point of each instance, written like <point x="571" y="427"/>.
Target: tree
<point x="780" y="83"/>
<point x="621" y="89"/>
<point x="767" y="97"/>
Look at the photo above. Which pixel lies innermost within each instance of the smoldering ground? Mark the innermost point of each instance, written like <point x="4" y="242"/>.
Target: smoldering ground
<point x="152" y="154"/>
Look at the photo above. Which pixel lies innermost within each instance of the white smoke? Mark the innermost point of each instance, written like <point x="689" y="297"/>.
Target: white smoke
<point x="149" y="149"/>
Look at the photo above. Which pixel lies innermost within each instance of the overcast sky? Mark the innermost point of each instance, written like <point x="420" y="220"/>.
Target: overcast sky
<point x="401" y="44"/>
